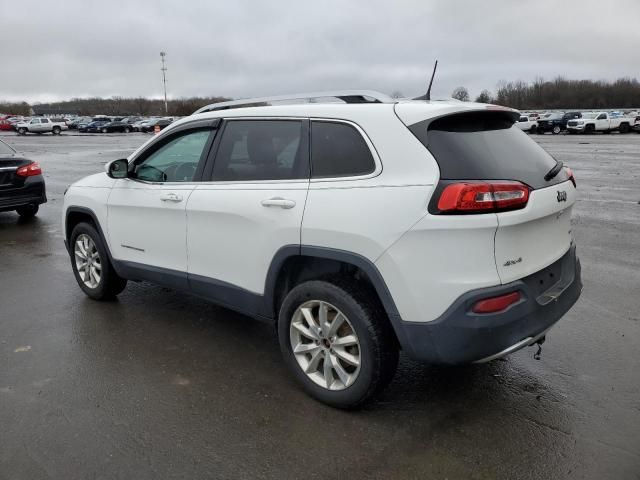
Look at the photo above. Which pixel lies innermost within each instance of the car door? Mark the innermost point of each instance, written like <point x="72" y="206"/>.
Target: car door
<point x="146" y="212"/>
<point x="45" y="125"/>
<point x="251" y="207"/>
<point x="34" y="125"/>
<point x="602" y="122"/>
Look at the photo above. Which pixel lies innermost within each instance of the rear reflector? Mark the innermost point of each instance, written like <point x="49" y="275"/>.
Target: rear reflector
<point x="29" y="170"/>
<point x="483" y="197"/>
<point x="496" y="304"/>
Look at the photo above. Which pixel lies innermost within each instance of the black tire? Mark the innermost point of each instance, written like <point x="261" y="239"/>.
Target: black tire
<point x="110" y="284"/>
<point x="556" y="129"/>
<point x="56" y="130"/>
<point x="589" y="129"/>
<point x="624" y="128"/>
<point x="378" y="344"/>
<point x="533" y="130"/>
<point x="104" y="130"/>
<point x="27" y="211"/>
<point x="22" y="131"/>
<point x="127" y="130"/>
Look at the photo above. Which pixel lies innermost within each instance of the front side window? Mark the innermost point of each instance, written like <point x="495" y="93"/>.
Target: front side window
<point x="602" y="116"/>
<point x="44" y="120"/>
<point x="35" y="121"/>
<point x="338" y="150"/>
<point x="175" y="161"/>
<point x="253" y="150"/>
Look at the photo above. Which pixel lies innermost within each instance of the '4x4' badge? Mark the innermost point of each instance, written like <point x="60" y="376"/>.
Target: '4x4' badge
<point x="562" y="196"/>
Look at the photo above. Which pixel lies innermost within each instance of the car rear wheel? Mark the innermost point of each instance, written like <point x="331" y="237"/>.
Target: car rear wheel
<point x="624" y="128"/>
<point x="27" y="211"/>
<point x="589" y="129"/>
<point x="91" y="266"/>
<point x="56" y="130"/>
<point x="22" y="131"/>
<point x="336" y="341"/>
<point x="127" y="130"/>
<point x="533" y="130"/>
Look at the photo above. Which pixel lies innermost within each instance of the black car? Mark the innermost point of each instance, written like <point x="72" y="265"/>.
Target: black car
<point x="95" y="125"/>
<point x="21" y="183"/>
<point x="116" y="126"/>
<point x="556" y="122"/>
<point x="162" y="123"/>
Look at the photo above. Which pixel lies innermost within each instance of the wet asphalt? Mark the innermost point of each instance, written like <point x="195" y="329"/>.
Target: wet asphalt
<point x="161" y="385"/>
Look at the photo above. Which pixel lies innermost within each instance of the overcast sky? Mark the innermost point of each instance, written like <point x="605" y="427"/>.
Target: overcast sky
<point x="58" y="50"/>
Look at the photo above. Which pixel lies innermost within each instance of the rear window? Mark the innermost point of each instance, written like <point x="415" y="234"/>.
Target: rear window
<point x="485" y="146"/>
<point x="5" y="149"/>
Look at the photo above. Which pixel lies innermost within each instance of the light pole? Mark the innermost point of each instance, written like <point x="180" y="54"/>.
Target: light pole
<point x="164" y="81"/>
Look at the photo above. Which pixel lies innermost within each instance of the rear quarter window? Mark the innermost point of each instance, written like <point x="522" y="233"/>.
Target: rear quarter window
<point x="485" y="146"/>
<point x="339" y="150"/>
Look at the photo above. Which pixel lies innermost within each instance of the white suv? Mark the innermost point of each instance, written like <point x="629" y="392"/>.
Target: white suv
<point x="357" y="228"/>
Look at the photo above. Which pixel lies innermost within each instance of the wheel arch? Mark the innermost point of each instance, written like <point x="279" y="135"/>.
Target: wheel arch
<point x="75" y="215"/>
<point x="295" y="264"/>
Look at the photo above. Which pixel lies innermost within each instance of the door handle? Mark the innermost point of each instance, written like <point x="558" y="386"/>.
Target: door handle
<point x="278" y="202"/>
<point x="171" y="197"/>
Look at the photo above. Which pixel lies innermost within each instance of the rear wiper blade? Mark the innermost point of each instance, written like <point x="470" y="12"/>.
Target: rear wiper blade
<point x="554" y="171"/>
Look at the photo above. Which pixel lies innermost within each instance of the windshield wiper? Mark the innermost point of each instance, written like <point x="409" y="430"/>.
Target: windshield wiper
<point x="554" y="171"/>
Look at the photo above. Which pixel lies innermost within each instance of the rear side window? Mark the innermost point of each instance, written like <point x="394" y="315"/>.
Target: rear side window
<point x="338" y="150"/>
<point x="253" y="150"/>
<point x="485" y="146"/>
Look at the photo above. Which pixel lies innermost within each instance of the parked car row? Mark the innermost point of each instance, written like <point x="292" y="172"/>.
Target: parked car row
<point x="578" y="122"/>
<point x="102" y="124"/>
<point x="97" y="124"/>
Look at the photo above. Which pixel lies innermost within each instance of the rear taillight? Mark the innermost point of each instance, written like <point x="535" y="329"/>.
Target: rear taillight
<point x="496" y="304"/>
<point x="483" y="197"/>
<point x="571" y="177"/>
<point x="29" y="170"/>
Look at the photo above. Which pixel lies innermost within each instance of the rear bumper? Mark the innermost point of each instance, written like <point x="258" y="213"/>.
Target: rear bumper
<point x="461" y="336"/>
<point x="33" y="192"/>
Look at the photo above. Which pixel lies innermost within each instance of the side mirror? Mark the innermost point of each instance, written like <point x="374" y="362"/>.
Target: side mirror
<point x="118" y="168"/>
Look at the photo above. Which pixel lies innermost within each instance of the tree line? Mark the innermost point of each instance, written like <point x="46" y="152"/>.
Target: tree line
<point x="560" y="93"/>
<point x="112" y="106"/>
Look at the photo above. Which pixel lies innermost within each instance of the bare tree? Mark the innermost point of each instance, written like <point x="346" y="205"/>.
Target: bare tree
<point x="460" y="93"/>
<point x="484" y="97"/>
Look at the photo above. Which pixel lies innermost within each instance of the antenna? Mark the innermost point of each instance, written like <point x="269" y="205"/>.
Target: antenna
<point x="428" y="94"/>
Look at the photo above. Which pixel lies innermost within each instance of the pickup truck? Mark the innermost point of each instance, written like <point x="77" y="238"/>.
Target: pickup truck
<point x="41" y="125"/>
<point x="556" y="122"/>
<point x="600" y="122"/>
<point x="527" y="123"/>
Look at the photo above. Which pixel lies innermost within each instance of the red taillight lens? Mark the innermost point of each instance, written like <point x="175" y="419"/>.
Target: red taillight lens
<point x="29" y="170"/>
<point x="496" y="304"/>
<point x="571" y="177"/>
<point x="481" y="197"/>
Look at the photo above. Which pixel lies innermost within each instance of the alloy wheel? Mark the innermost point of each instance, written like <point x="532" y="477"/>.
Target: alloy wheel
<point x="88" y="262"/>
<point x="325" y="345"/>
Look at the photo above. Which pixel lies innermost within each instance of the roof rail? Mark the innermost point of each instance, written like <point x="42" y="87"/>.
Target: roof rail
<point x="347" y="96"/>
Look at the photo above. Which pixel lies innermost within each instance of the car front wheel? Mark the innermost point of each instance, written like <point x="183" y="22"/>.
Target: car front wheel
<point x="91" y="266"/>
<point x="337" y="342"/>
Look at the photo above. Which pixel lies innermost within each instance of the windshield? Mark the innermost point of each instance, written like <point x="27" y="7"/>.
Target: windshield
<point x="589" y="115"/>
